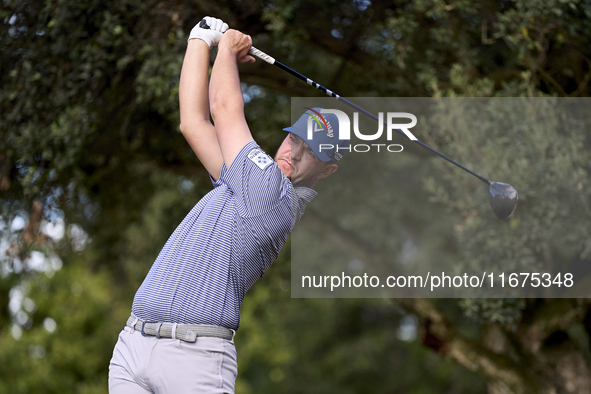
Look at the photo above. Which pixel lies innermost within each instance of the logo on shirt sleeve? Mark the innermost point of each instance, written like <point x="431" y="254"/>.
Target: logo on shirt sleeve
<point x="260" y="158"/>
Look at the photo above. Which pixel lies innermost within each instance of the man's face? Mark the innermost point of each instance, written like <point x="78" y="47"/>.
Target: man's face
<point x="299" y="163"/>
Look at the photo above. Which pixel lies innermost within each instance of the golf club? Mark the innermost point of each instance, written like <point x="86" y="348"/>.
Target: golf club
<point x="503" y="197"/>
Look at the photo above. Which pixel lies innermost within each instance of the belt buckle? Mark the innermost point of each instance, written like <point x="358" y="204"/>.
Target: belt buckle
<point x="144" y="326"/>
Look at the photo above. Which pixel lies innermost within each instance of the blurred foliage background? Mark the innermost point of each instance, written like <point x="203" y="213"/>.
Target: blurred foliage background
<point x="94" y="176"/>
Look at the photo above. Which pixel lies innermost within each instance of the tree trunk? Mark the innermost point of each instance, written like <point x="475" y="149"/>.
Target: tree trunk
<point x="544" y="355"/>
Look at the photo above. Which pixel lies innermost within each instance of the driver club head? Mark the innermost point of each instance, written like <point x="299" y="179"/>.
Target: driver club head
<point x="503" y="199"/>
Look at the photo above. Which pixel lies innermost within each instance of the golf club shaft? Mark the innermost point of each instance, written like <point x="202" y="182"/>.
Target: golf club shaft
<point x="263" y="56"/>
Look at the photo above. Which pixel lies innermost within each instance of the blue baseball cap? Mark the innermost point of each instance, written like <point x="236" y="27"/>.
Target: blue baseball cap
<point x="325" y="142"/>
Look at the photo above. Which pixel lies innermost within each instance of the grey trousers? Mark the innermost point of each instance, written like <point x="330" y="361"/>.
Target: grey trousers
<point x="142" y="365"/>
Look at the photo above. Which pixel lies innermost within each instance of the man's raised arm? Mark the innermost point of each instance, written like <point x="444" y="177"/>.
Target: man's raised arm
<point x="194" y="98"/>
<point x="227" y="103"/>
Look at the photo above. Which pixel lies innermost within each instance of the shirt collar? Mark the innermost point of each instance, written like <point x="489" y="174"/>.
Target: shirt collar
<point x="305" y="193"/>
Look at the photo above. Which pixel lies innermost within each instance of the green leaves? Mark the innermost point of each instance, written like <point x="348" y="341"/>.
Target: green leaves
<point x="89" y="129"/>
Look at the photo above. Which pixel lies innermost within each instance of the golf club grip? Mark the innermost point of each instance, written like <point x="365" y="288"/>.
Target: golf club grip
<point x="252" y="51"/>
<point x="261" y="55"/>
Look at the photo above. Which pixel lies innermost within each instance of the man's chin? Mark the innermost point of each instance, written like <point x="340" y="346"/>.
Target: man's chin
<point x="284" y="167"/>
<point x="285" y="171"/>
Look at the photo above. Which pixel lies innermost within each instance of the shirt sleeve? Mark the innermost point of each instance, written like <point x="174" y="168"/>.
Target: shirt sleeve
<point x="217" y="182"/>
<point x="256" y="181"/>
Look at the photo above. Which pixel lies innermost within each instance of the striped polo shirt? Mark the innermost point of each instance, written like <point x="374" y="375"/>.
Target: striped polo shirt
<point x="224" y="245"/>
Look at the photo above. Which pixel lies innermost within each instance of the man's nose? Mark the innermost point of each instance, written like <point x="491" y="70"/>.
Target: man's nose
<point x="296" y="152"/>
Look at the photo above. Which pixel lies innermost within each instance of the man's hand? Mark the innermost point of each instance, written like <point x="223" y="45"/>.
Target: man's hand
<point x="239" y="44"/>
<point x="209" y="30"/>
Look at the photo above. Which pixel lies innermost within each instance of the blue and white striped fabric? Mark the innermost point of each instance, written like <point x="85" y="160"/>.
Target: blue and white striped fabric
<point x="225" y="243"/>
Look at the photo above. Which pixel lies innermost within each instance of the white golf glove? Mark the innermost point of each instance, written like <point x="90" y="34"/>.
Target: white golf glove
<point x="209" y="30"/>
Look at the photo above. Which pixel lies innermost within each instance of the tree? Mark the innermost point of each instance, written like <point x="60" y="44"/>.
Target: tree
<point x="90" y="144"/>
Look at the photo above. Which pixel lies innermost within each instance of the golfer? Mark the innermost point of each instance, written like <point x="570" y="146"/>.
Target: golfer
<point x="180" y="335"/>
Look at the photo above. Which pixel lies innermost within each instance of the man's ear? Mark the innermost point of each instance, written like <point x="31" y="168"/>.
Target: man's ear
<point x="329" y="169"/>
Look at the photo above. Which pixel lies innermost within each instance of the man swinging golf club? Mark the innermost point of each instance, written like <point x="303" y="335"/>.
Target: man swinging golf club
<point x="180" y="335"/>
